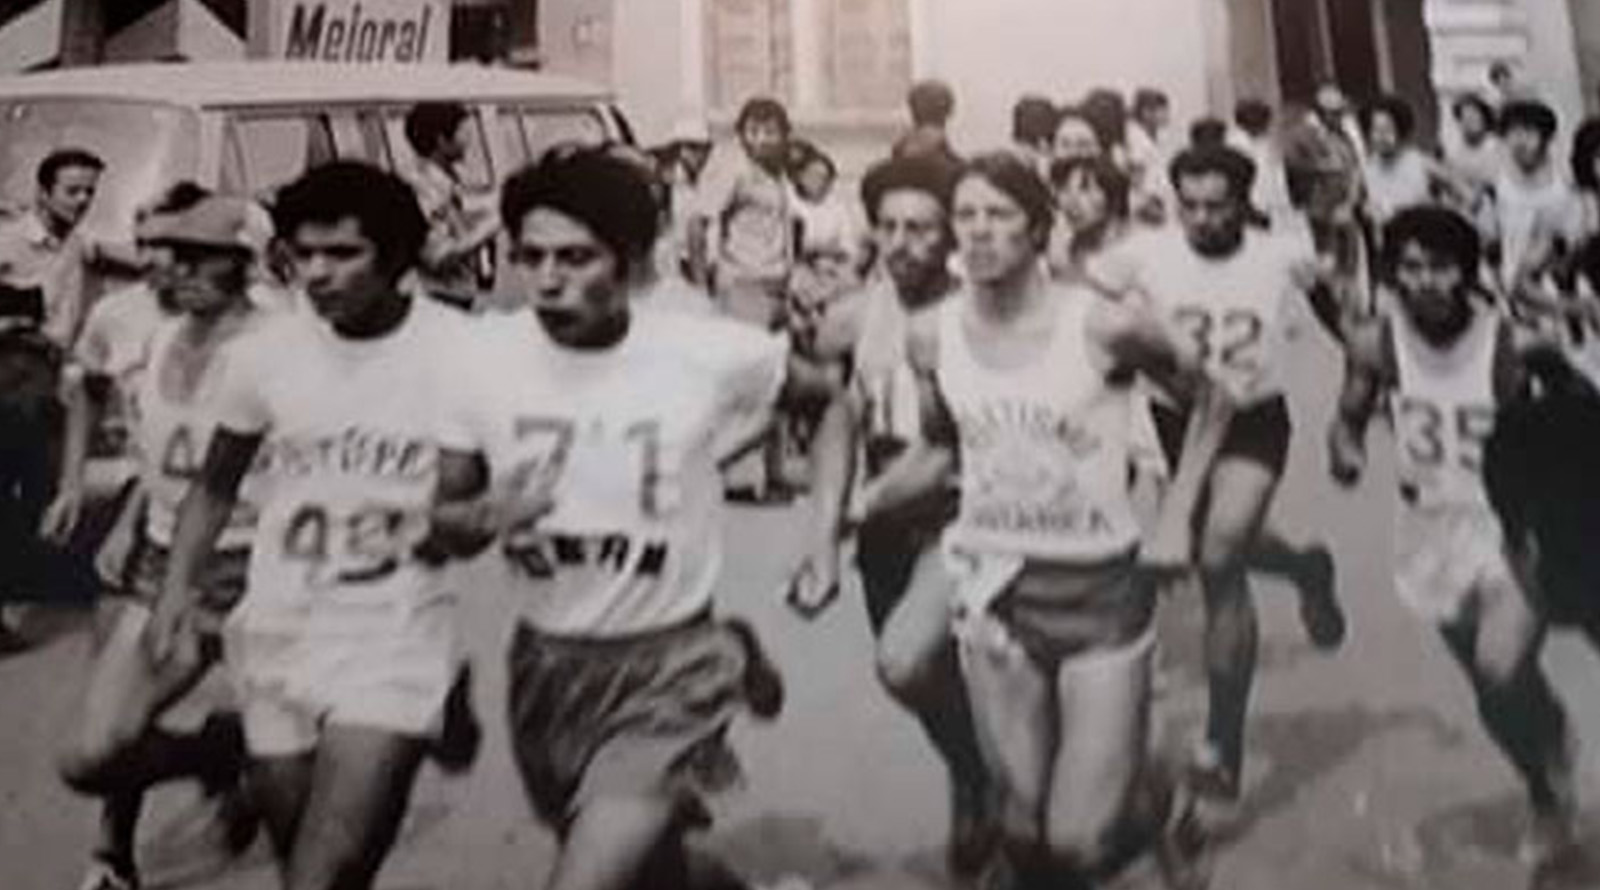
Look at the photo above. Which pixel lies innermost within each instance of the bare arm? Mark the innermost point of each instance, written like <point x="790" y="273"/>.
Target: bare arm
<point x="461" y="523"/>
<point x="62" y="516"/>
<point x="1367" y="373"/>
<point x="201" y="517"/>
<point x="925" y="466"/>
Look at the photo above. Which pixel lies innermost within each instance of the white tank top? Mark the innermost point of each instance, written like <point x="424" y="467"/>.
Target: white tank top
<point x="1444" y="408"/>
<point x="1044" y="447"/>
<point x="174" y="431"/>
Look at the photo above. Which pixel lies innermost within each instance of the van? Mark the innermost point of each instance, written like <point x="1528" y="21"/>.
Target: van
<point x="248" y="127"/>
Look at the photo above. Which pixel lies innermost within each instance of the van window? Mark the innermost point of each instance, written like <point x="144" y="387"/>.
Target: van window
<point x="476" y="170"/>
<point x="264" y="152"/>
<point x="539" y="129"/>
<point x="358" y="136"/>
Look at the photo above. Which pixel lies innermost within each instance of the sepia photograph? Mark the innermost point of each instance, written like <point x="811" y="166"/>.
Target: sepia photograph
<point x="799" y="444"/>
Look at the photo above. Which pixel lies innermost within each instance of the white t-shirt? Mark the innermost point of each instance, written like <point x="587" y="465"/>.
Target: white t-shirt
<point x="353" y="429"/>
<point x="176" y="423"/>
<point x="1394" y="186"/>
<point x="1525" y="207"/>
<point x="630" y="435"/>
<point x="1234" y="311"/>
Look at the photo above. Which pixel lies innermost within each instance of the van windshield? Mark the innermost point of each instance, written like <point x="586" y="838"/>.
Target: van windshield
<point x="147" y="147"/>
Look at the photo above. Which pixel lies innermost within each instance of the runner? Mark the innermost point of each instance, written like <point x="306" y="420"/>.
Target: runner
<point x="199" y="288"/>
<point x="1226" y="286"/>
<point x="871" y="422"/>
<point x="342" y="651"/>
<point x="602" y="431"/>
<point x="1445" y="361"/>
<point x="1027" y="387"/>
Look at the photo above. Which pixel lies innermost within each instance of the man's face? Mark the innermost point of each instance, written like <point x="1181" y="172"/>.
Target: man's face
<point x="452" y="149"/>
<point x="1473" y="124"/>
<point x="571" y="278"/>
<point x="67" y="199"/>
<point x="1385" y="136"/>
<point x="992" y="231"/>
<point x="1528" y="147"/>
<point x="340" y="270"/>
<point x="203" y="280"/>
<point x="1432" y="289"/>
<point x="815" y="181"/>
<point x="1081" y="200"/>
<point x="1330" y="105"/>
<point x="1075" y="139"/>
<point x="1156" y="117"/>
<point x="912" y="239"/>
<point x="1211" y="214"/>
<point x="765" y="142"/>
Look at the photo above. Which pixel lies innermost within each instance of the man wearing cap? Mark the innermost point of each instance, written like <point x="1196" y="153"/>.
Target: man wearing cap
<point x="202" y="255"/>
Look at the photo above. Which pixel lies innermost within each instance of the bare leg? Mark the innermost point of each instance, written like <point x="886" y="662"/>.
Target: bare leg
<point x="614" y="841"/>
<point x="361" y="782"/>
<point x="1240" y="493"/>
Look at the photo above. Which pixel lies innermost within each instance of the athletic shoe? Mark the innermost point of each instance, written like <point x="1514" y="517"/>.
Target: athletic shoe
<point x="763" y="684"/>
<point x="102" y="875"/>
<point x="1320" y="612"/>
<point x="455" y="749"/>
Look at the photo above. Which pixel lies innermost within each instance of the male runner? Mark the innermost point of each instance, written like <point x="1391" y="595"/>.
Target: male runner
<point x="601" y="428"/>
<point x="1027" y="386"/>
<point x="873" y="420"/>
<point x="1445" y="361"/>
<point x="202" y="271"/>
<point x="1225" y="286"/>
<point x="343" y="649"/>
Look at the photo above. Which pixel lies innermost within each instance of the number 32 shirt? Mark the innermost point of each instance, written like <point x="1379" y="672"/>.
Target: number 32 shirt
<point x="352" y="427"/>
<point x="1233" y="311"/>
<point x="625" y="440"/>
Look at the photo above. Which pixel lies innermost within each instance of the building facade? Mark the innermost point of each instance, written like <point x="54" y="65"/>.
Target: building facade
<point x="843" y="65"/>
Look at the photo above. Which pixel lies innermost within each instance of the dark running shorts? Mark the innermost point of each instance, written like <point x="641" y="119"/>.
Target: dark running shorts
<point x="641" y="715"/>
<point x="1259" y="434"/>
<point x="888" y="547"/>
<point x="1057" y="613"/>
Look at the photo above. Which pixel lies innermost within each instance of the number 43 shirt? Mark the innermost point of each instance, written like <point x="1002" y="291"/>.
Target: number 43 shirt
<point x="1233" y="311"/>
<point x="626" y="442"/>
<point x="353" y="429"/>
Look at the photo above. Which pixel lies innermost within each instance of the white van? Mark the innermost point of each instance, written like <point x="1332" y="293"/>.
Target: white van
<point x="248" y="127"/>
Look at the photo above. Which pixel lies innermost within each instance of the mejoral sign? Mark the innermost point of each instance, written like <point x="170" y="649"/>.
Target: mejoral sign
<point x="352" y="30"/>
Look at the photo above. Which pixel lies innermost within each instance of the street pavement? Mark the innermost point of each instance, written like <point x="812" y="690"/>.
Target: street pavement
<point x="1367" y="769"/>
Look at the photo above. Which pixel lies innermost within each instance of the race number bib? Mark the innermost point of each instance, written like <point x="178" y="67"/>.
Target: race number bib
<point x="1230" y="343"/>
<point x="335" y="547"/>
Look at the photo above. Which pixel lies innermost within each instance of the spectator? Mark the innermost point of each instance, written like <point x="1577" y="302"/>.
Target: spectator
<point x="1033" y="128"/>
<point x="1208" y="132"/>
<point x="1149" y="152"/>
<point x="45" y="250"/>
<point x="931" y="103"/>
<point x="1255" y="137"/>
<point x="742" y="239"/>
<point x="1075" y="137"/>
<point x="458" y="261"/>
<point x="1474" y="150"/>
<point x="1535" y="208"/>
<point x="1397" y="174"/>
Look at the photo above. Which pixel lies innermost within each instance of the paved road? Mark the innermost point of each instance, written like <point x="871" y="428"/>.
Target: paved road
<point x="1369" y="772"/>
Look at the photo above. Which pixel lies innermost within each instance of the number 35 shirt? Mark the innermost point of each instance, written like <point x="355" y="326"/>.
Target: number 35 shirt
<point x="1233" y="311"/>
<point x="625" y="440"/>
<point x="352" y="427"/>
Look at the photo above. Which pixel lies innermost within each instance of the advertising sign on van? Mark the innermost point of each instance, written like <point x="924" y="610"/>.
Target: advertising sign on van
<point x="355" y="30"/>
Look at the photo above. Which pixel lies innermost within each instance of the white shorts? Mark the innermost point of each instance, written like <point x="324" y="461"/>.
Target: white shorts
<point x="293" y="681"/>
<point x="1446" y="558"/>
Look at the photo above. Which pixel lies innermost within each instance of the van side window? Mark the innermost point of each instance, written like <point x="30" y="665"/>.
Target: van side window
<point x="358" y="136"/>
<point x="264" y="152"/>
<point x="539" y="129"/>
<point x="476" y="170"/>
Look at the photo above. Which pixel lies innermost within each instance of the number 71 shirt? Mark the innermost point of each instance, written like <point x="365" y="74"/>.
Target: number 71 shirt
<point x="1233" y="312"/>
<point x="625" y="442"/>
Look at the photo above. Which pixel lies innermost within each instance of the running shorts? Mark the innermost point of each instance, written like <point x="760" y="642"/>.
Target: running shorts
<point x="646" y="714"/>
<point x="1259" y="434"/>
